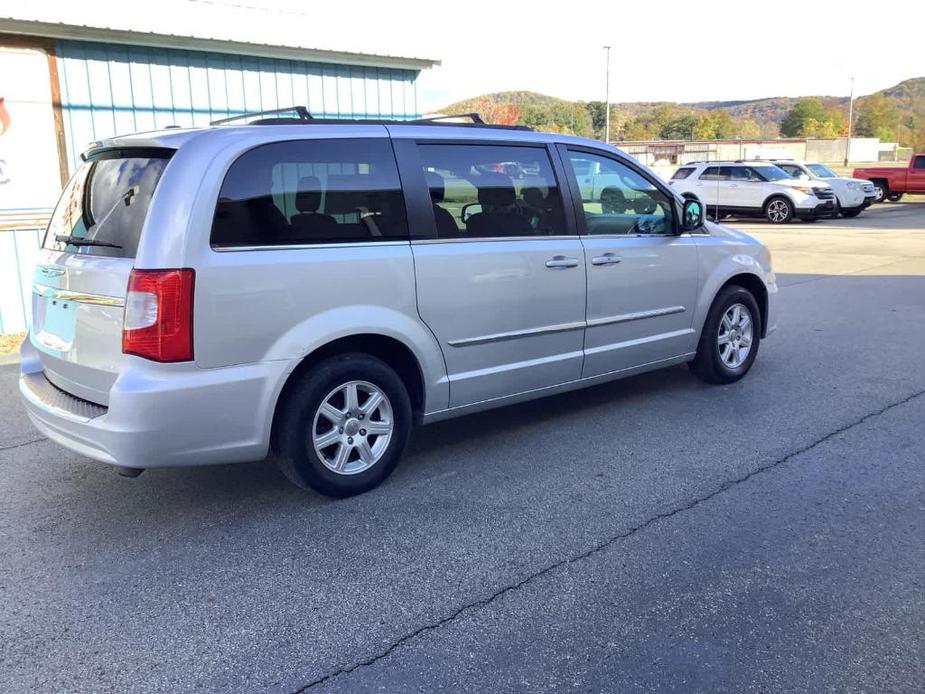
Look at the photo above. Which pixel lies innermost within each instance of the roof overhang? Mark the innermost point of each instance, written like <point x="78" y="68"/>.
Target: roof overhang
<point x="76" y="32"/>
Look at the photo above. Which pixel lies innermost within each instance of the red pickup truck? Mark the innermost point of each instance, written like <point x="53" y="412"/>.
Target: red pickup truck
<point x="890" y="183"/>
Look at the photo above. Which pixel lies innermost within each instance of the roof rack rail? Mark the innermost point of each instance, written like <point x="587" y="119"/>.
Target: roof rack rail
<point x="303" y="117"/>
<point x="301" y="112"/>
<point x="474" y="117"/>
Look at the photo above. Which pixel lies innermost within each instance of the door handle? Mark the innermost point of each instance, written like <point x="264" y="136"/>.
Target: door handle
<point x="560" y="262"/>
<point x="606" y="259"/>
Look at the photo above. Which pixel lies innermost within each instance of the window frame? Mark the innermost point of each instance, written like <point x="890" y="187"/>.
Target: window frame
<point x="397" y="240"/>
<point x="578" y="209"/>
<point x="421" y="218"/>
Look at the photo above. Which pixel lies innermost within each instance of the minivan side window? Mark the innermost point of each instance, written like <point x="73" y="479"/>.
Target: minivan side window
<point x="311" y="191"/>
<point x="618" y="200"/>
<point x="482" y="191"/>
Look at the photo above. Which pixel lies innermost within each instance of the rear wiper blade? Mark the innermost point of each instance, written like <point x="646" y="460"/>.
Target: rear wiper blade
<point x="77" y="241"/>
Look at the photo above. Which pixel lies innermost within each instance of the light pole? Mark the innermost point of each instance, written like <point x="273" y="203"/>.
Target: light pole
<point x="850" y="119"/>
<point x="607" y="99"/>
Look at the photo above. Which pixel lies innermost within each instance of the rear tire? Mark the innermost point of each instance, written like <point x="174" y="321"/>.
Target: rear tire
<point x="343" y="427"/>
<point x="778" y="210"/>
<point x="728" y="345"/>
<point x="894" y="197"/>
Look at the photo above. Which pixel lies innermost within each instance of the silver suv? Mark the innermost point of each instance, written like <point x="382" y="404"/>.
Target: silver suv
<point x="313" y="288"/>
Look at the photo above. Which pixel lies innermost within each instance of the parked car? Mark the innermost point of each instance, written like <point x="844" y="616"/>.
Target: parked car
<point x="753" y="189"/>
<point x="210" y="295"/>
<point x="852" y="195"/>
<point x="892" y="182"/>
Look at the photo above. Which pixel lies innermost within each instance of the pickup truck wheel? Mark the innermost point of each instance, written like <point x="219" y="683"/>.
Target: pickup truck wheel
<point x="894" y="197"/>
<point x="344" y="426"/>
<point x="881" y="191"/>
<point x="778" y="210"/>
<point x="730" y="337"/>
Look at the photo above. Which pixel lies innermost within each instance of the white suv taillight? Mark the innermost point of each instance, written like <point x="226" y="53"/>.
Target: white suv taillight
<point x="158" y="322"/>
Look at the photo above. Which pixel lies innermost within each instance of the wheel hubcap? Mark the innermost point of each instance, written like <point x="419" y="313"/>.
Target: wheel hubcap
<point x="734" y="338"/>
<point x="778" y="211"/>
<point x="352" y="427"/>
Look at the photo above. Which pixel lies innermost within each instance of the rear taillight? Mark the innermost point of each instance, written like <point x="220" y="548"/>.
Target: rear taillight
<point x="159" y="315"/>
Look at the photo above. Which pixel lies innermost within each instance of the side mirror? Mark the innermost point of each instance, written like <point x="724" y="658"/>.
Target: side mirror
<point x="692" y="215"/>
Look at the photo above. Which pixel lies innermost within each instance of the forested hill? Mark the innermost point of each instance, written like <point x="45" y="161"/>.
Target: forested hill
<point x="894" y="114"/>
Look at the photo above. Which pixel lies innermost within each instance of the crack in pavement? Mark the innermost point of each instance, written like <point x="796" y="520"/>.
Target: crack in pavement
<point x="21" y="445"/>
<point x="720" y="489"/>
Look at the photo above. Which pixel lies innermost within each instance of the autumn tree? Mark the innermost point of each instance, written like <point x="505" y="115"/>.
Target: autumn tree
<point x="877" y="117"/>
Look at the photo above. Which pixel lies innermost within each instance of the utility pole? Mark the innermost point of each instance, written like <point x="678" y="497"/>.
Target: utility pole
<point x="607" y="99"/>
<point x="850" y="119"/>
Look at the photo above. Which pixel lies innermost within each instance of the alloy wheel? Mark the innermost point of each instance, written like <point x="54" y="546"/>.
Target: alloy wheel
<point x="735" y="335"/>
<point x="352" y="427"/>
<point x="778" y="211"/>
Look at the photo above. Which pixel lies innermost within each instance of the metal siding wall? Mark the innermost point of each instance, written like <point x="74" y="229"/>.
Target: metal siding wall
<point x="109" y="89"/>
<point x="112" y="89"/>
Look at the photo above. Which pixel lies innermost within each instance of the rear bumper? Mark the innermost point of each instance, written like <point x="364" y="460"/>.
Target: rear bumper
<point x="158" y="417"/>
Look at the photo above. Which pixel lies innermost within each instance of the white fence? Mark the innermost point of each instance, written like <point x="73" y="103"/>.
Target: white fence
<point x="19" y="248"/>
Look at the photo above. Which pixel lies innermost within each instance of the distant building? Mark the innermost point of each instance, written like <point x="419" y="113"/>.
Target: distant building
<point x="65" y="85"/>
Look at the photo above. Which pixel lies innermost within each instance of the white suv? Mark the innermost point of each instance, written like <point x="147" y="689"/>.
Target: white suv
<point x="851" y="195"/>
<point x="753" y="189"/>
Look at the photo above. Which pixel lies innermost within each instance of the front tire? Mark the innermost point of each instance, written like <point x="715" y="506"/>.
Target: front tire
<point x="894" y="197"/>
<point x="778" y="210"/>
<point x="344" y="426"/>
<point x="853" y="212"/>
<point x="730" y="337"/>
<point x="881" y="191"/>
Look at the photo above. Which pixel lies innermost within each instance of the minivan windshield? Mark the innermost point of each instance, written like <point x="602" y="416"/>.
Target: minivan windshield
<point x="821" y="171"/>
<point x="104" y="205"/>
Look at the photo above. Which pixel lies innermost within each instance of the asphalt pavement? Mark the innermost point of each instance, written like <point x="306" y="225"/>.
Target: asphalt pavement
<point x="654" y="534"/>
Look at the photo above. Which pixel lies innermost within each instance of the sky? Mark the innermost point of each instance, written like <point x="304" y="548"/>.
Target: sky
<point x="693" y="50"/>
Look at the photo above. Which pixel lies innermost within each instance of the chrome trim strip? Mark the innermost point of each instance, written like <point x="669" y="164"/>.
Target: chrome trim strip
<point x="515" y="334"/>
<point x="303" y="246"/>
<point x="77" y="297"/>
<point x="427" y="242"/>
<point x="640" y="315"/>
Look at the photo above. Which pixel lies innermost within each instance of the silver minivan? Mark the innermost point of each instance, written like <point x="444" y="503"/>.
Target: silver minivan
<point x="313" y="288"/>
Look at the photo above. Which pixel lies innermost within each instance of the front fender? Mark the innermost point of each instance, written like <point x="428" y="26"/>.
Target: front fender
<point x="718" y="266"/>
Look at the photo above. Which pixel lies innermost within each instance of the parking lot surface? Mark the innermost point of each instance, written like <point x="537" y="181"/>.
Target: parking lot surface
<point x="654" y="534"/>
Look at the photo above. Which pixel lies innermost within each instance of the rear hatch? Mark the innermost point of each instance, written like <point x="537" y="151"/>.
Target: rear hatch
<point x="79" y="286"/>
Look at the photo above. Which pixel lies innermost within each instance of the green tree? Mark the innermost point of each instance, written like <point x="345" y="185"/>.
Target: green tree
<point x="808" y="117"/>
<point x="877" y="117"/>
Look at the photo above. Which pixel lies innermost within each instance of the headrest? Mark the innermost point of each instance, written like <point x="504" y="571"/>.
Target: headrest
<point x="437" y="186"/>
<point x="308" y="197"/>
<point x="533" y="197"/>
<point x="496" y="190"/>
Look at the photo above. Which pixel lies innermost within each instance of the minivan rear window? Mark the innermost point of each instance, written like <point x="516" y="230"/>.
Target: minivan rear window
<point x="103" y="207"/>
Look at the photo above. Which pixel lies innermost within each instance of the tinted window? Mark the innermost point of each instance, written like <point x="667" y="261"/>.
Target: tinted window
<point x="715" y="173"/>
<point x="919" y="163"/>
<point x="794" y="171"/>
<point x="771" y="173"/>
<point x="105" y="203"/>
<point x="742" y="173"/>
<point x="679" y="174"/>
<point x="311" y="191"/>
<point x="481" y="191"/>
<point x="618" y="200"/>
